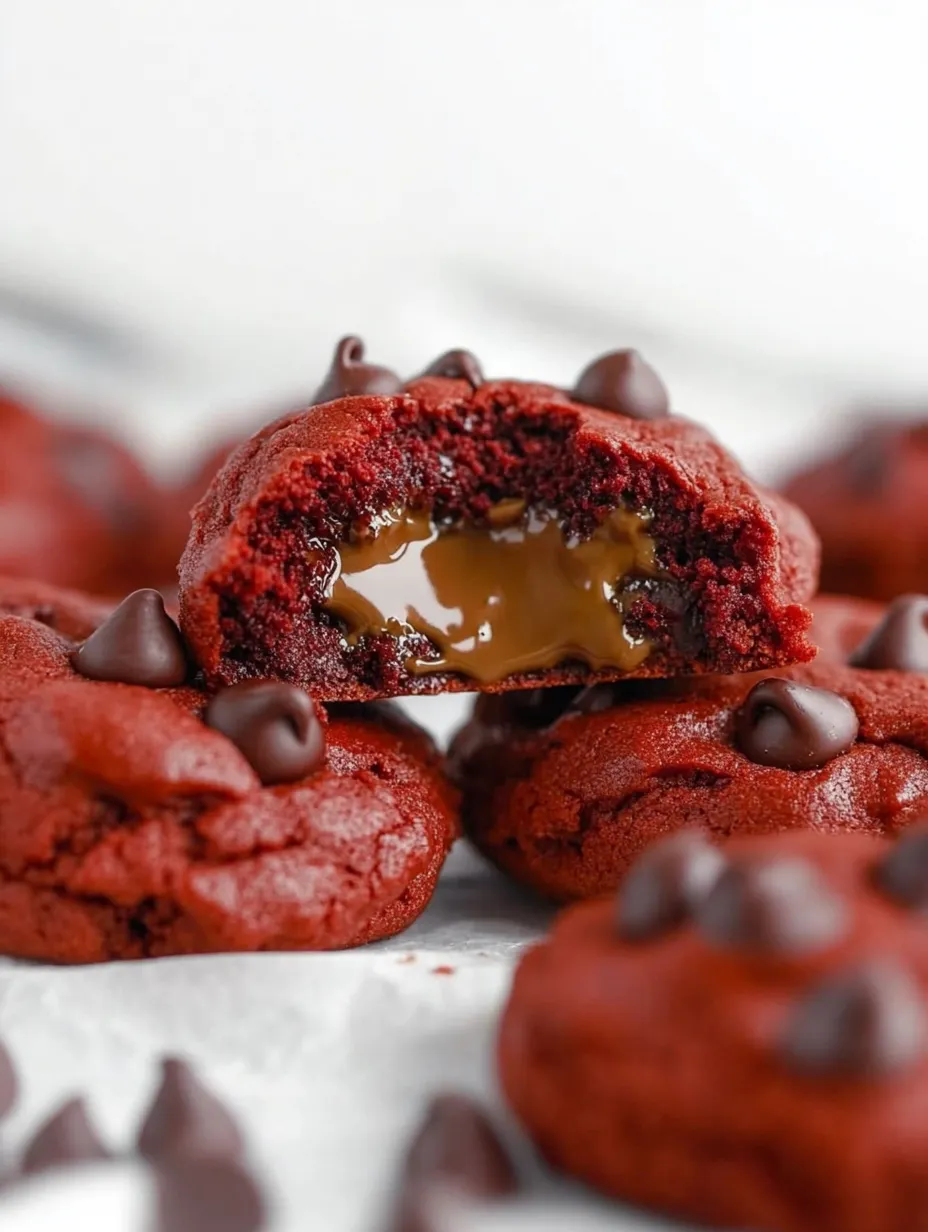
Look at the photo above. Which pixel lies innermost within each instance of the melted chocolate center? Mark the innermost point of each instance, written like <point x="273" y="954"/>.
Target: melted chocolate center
<point x="513" y="596"/>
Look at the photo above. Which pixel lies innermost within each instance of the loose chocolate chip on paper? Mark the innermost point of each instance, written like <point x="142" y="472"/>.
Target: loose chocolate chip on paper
<point x="794" y="726"/>
<point x="207" y="1195"/>
<point x="349" y="375"/>
<point x="457" y="366"/>
<point x="869" y="1021"/>
<point x="66" y="1138"/>
<point x="138" y="644"/>
<point x="900" y="640"/>
<point x="902" y="874"/>
<point x="664" y="885"/>
<point x="9" y="1087"/>
<point x="274" y="724"/>
<point x="621" y="381"/>
<point x="185" y="1119"/>
<point x="458" y="1145"/>
<point x="771" y="905"/>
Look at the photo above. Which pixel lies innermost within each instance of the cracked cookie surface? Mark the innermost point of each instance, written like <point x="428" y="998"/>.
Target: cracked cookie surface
<point x="129" y="828"/>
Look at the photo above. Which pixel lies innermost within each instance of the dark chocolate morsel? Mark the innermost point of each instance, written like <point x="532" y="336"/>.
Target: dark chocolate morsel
<point x="66" y="1138"/>
<point x="457" y="366"/>
<point x="186" y="1119"/>
<point x="537" y="708"/>
<point x="456" y="1153"/>
<point x="138" y="644"/>
<point x="868" y="463"/>
<point x="350" y="376"/>
<point x="794" y="726"/>
<point x="97" y="473"/>
<point x="9" y="1087"/>
<point x="274" y="724"/>
<point x="779" y="905"/>
<point x="207" y="1195"/>
<point x="900" y="640"/>
<point x="664" y="885"/>
<point x="622" y="382"/>
<point x="902" y="874"/>
<point x="862" y="1023"/>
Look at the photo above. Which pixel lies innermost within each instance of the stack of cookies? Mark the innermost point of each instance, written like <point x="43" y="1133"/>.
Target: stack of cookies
<point x="664" y="709"/>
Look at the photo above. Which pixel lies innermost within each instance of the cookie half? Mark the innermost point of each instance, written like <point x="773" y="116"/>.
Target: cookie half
<point x="463" y="534"/>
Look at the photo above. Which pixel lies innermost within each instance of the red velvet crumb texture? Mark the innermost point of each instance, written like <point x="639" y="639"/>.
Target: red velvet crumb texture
<point x="737" y="562"/>
<point x="652" y="1071"/>
<point x="130" y="829"/>
<point x="566" y="808"/>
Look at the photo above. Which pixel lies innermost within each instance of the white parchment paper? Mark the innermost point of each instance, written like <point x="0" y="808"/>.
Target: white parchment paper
<point x="328" y="1059"/>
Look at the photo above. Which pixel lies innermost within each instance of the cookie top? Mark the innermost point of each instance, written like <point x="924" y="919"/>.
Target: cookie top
<point x="138" y="820"/>
<point x="866" y="502"/>
<point x="564" y="789"/>
<point x="458" y="534"/>
<point x="76" y="507"/>
<point x="766" y="1003"/>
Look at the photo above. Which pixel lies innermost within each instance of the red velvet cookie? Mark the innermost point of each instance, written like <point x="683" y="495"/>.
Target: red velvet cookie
<point x="564" y="789"/>
<point x="142" y="816"/>
<point x="742" y="1039"/>
<point x="867" y="504"/>
<point x="459" y="534"/>
<point x="166" y="545"/>
<point x="76" y="508"/>
<point x="840" y="623"/>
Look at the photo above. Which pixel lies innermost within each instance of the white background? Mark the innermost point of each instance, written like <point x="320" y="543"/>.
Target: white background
<point x="225" y="186"/>
<point x="738" y="185"/>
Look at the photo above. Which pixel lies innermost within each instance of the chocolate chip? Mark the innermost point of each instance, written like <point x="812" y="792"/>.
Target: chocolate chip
<point x="868" y="463"/>
<point x="350" y="376"/>
<point x="274" y="724"/>
<point x="594" y="699"/>
<point x="66" y="1138"/>
<point x="866" y="1022"/>
<point x="622" y="382"/>
<point x="420" y="1209"/>
<point x="771" y="905"/>
<point x="187" y="1119"/>
<point x="455" y="1154"/>
<point x="665" y="883"/>
<point x="9" y="1087"/>
<point x="794" y="726"/>
<point x="536" y="708"/>
<point x="457" y="366"/>
<point x="101" y="476"/>
<point x="138" y="644"/>
<point x="207" y="1195"/>
<point x="902" y="874"/>
<point x="900" y="640"/>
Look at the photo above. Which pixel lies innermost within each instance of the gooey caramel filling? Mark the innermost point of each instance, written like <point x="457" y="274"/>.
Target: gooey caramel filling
<point x="513" y="596"/>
